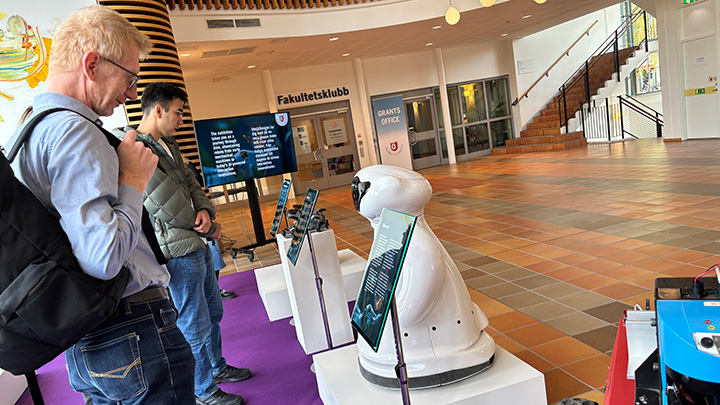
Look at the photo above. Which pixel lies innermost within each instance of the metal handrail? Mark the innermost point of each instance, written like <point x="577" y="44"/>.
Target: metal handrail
<point x="611" y="41"/>
<point x="652" y="114"/>
<point x="634" y="100"/>
<point x="564" y="54"/>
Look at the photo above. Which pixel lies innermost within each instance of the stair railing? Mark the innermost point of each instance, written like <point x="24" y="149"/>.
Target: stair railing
<point x="568" y="98"/>
<point x="613" y="121"/>
<point x="547" y="72"/>
<point x="634" y="113"/>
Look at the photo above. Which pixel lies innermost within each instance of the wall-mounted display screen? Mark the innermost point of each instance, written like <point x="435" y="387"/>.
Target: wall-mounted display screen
<point x="236" y="149"/>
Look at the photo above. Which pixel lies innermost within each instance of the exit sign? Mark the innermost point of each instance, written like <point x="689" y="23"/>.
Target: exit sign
<point x="689" y="1"/>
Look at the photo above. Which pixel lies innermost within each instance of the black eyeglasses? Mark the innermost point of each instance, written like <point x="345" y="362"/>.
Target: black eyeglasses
<point x="135" y="77"/>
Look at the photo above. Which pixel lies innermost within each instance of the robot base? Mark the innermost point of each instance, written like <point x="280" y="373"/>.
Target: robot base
<point x="427" y="381"/>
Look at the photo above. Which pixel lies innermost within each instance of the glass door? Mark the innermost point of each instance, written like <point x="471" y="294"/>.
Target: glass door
<point x="307" y="147"/>
<point x="339" y="154"/>
<point x="424" y="140"/>
<point x="325" y="149"/>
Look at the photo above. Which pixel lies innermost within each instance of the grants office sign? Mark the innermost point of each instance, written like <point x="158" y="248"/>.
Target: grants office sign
<point x="317" y="96"/>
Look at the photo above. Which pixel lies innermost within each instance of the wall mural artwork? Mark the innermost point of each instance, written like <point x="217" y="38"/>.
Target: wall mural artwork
<point x="26" y="32"/>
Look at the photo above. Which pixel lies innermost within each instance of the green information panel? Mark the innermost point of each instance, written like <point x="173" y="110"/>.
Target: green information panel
<point x="301" y="224"/>
<point x="282" y="200"/>
<point x="381" y="275"/>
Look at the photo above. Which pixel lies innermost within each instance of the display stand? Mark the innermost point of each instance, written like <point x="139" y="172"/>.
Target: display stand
<point x="401" y="368"/>
<point x="260" y="238"/>
<point x="299" y="279"/>
<point x="273" y="289"/>
<point x="11" y="387"/>
<point x="321" y="296"/>
<point x="508" y="381"/>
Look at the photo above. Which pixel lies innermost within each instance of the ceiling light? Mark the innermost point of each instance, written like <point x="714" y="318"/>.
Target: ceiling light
<point x="428" y="44"/>
<point x="346" y="54"/>
<point x="504" y="35"/>
<point x="487" y="3"/>
<point x="252" y="67"/>
<point x="540" y="1"/>
<point x="527" y="16"/>
<point x="437" y="27"/>
<point x="185" y="54"/>
<point x="334" y="39"/>
<point x="452" y="16"/>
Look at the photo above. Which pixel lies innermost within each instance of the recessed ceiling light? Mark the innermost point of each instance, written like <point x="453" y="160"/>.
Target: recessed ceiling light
<point x="437" y="27"/>
<point x="504" y="35"/>
<point x="428" y="44"/>
<point x="346" y="54"/>
<point x="334" y="39"/>
<point x="527" y="16"/>
<point x="185" y="54"/>
<point x="251" y="67"/>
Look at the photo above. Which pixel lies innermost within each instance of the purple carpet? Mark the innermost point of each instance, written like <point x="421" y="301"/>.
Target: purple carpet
<point x="281" y="369"/>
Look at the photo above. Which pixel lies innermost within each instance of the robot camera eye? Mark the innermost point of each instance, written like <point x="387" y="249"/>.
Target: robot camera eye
<point x="359" y="188"/>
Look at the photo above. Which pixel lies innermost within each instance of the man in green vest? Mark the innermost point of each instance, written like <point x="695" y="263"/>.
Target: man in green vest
<point x="182" y="217"/>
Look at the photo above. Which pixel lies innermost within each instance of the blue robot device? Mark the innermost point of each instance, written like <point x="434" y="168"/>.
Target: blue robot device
<point x="686" y="365"/>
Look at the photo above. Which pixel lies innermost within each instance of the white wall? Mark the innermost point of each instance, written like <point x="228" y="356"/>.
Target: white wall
<point x="671" y="70"/>
<point x="241" y="95"/>
<point x="545" y="47"/>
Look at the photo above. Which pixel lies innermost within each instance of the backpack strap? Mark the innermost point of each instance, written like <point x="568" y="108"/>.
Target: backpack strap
<point x="147" y="226"/>
<point x="27" y="130"/>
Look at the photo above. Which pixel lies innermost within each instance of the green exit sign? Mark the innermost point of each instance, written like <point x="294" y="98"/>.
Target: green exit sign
<point x="689" y="1"/>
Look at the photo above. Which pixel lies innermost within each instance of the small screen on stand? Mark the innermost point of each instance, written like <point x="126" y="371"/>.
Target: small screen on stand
<point x="236" y="149"/>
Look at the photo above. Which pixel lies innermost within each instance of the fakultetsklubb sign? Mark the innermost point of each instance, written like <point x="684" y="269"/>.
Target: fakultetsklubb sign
<point x="323" y="95"/>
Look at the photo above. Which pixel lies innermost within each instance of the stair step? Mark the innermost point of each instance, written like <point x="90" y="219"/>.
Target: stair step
<point x="546" y="118"/>
<point x="543" y="147"/>
<point x="536" y="140"/>
<point x="539" y="132"/>
<point x="544" y="125"/>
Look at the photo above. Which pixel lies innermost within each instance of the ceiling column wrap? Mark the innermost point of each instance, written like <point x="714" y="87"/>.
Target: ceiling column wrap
<point x="162" y="65"/>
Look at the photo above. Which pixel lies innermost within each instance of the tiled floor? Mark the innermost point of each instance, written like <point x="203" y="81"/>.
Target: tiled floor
<point x="554" y="246"/>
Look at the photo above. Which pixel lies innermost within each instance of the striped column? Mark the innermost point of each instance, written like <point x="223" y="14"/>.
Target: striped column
<point x="163" y="65"/>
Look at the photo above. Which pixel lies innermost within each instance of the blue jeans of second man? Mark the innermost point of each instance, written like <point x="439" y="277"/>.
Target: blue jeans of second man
<point x="195" y="292"/>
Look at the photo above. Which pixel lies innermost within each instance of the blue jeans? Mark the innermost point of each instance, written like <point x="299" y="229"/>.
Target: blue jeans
<point x="218" y="261"/>
<point x="195" y="292"/>
<point x="136" y="356"/>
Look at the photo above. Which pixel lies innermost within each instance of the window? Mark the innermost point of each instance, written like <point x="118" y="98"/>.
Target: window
<point x="480" y="113"/>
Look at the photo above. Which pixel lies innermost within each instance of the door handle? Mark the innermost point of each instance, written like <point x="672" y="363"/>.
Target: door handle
<point x="318" y="155"/>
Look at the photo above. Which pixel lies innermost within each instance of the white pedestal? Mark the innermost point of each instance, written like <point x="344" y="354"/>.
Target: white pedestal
<point x="353" y="269"/>
<point x="11" y="387"/>
<point x="302" y="290"/>
<point x="273" y="291"/>
<point x="508" y="381"/>
<point x="273" y="288"/>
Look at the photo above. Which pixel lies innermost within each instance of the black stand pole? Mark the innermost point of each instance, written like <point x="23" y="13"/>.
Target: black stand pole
<point x="401" y="367"/>
<point x="34" y="388"/>
<point x="254" y="204"/>
<point x="321" y="296"/>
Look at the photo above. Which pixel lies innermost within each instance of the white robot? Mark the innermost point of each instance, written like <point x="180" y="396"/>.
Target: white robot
<point x="441" y="328"/>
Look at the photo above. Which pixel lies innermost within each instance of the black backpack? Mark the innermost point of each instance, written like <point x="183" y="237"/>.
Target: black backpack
<point x="47" y="303"/>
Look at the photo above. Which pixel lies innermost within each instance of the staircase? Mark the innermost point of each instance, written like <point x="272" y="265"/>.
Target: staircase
<point x="552" y="127"/>
<point x="545" y="132"/>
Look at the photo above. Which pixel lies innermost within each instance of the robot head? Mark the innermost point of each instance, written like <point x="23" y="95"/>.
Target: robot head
<point x="396" y="188"/>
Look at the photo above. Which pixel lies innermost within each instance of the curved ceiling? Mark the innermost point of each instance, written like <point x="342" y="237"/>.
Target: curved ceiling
<point x="256" y="4"/>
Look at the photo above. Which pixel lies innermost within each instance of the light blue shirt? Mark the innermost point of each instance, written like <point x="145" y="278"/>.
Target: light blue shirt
<point x="69" y="165"/>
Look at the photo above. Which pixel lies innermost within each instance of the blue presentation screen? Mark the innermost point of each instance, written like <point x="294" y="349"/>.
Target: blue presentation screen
<point x="236" y="149"/>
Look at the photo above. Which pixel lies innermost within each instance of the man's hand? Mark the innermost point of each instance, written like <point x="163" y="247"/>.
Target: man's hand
<point x="137" y="162"/>
<point x="218" y="231"/>
<point x="202" y="222"/>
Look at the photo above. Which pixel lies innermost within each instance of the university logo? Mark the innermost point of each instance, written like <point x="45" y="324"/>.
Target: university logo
<point x="395" y="148"/>
<point x="281" y="119"/>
